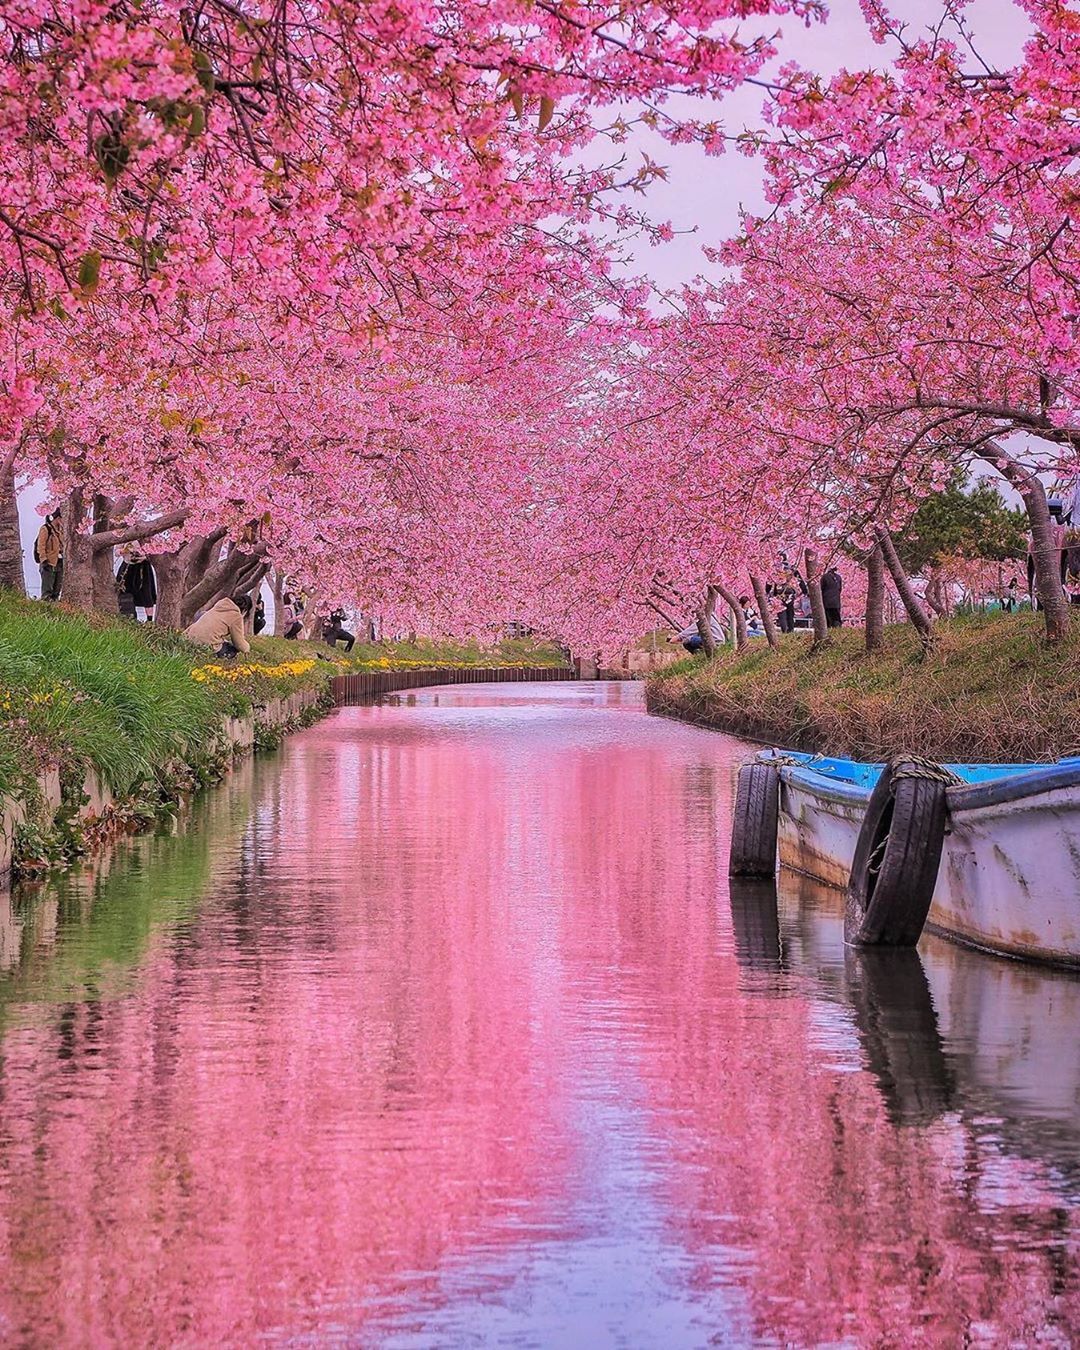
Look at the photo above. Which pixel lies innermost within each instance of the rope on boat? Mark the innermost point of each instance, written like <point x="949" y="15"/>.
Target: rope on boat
<point x="777" y="758"/>
<point x="903" y="766"/>
<point x="912" y="766"/>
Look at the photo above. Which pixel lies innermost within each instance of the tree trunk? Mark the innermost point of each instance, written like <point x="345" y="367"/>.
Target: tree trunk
<point x="78" y="587"/>
<point x="312" y="629"/>
<point x="937" y="596"/>
<point x="765" y="610"/>
<point x="87" y="556"/>
<point x="174" y="572"/>
<point x="219" y="580"/>
<point x="704" y="621"/>
<point x="171" y="572"/>
<point x="11" y="555"/>
<point x="1044" y="551"/>
<point x="249" y="580"/>
<point x="200" y="552"/>
<point x="738" y="616"/>
<point x="245" y="579"/>
<point x="875" y="600"/>
<point x="916" y="612"/>
<point x="278" y="589"/>
<point x="250" y="583"/>
<point x="103" y="582"/>
<point x="817" y="604"/>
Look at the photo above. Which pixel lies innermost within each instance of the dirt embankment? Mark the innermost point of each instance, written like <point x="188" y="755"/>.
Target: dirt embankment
<point x="990" y="690"/>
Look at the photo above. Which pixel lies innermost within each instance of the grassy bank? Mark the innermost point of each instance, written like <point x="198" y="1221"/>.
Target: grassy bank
<point x="991" y="690"/>
<point x="87" y="693"/>
<point x="128" y="701"/>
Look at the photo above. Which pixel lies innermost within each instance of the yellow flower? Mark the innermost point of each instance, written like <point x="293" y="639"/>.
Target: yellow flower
<point x="283" y="670"/>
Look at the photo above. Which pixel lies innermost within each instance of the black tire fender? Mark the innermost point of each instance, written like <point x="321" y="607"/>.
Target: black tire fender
<point x="753" y="830"/>
<point x="898" y="1028"/>
<point x="895" y="868"/>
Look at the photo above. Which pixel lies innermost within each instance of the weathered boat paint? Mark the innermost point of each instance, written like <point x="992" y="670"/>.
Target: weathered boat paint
<point x="1010" y="869"/>
<point x="817" y="829"/>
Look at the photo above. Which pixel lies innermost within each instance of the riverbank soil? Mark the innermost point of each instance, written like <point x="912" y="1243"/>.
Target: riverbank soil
<point x="991" y="690"/>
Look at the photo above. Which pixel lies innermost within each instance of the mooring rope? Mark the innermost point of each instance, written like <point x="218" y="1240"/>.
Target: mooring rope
<point x="904" y="766"/>
<point x="913" y="766"/>
<point x="777" y="757"/>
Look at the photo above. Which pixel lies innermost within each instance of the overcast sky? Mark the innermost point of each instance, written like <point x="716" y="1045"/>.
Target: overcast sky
<point x="704" y="194"/>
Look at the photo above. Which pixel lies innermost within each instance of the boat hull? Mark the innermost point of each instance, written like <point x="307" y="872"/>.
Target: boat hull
<point x="817" y="831"/>
<point x="1009" y="880"/>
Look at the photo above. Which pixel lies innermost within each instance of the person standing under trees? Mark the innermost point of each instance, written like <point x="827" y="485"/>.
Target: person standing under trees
<point x="125" y="601"/>
<point x="135" y="579"/>
<point x="49" y="555"/>
<point x="832" y="584"/>
<point x="292" y="614"/>
<point x="785" y="615"/>
<point x="258" y="623"/>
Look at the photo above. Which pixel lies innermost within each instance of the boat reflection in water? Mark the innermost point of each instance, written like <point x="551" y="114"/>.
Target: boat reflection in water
<point x="755" y="925"/>
<point x="898" y="1029"/>
<point x="442" y="1028"/>
<point x="946" y="1028"/>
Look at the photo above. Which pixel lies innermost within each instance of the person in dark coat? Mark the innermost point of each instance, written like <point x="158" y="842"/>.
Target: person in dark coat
<point x="335" y="631"/>
<point x="124" y="599"/>
<point x="785" y="615"/>
<point x="832" y="583"/>
<point x="139" y="582"/>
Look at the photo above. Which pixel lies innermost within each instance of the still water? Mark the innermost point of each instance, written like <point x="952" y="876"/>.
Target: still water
<point x="441" y="1028"/>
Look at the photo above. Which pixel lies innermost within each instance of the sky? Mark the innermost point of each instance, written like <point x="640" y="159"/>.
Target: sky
<point x="703" y="195"/>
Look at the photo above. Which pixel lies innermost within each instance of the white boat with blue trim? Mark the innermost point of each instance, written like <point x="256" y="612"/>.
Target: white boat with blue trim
<point x="1008" y="875"/>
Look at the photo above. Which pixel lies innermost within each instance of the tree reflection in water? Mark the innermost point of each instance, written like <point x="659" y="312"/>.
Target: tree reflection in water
<point x="444" y="1026"/>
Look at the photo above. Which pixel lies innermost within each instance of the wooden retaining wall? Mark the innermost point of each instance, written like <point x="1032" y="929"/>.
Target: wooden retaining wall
<point x="362" y="688"/>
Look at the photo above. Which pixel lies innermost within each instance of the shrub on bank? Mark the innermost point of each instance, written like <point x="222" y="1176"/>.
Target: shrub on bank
<point x="992" y="689"/>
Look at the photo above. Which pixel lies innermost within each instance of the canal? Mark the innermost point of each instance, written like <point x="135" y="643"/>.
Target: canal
<point x="441" y="1027"/>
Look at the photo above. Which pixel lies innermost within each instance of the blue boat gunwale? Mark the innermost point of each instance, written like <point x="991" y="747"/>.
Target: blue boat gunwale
<point x="837" y="780"/>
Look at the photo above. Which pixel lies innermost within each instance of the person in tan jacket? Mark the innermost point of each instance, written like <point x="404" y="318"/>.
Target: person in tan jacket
<point x="222" y="626"/>
<point x="48" y="552"/>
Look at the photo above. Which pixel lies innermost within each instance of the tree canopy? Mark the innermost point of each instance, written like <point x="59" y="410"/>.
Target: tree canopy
<point x="345" y="271"/>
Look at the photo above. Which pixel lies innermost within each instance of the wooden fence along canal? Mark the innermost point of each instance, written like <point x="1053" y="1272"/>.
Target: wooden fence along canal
<point x="353" y="689"/>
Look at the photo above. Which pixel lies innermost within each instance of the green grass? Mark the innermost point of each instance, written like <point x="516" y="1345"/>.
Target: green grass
<point x="990" y="690"/>
<point x="424" y="651"/>
<point x="126" y="699"/>
<point x="86" y="692"/>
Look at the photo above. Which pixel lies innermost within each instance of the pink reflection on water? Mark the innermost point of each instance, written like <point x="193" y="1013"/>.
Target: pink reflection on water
<point x="457" y="1044"/>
